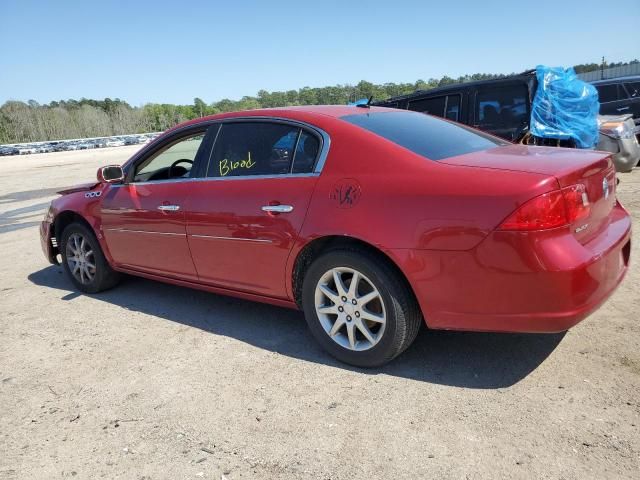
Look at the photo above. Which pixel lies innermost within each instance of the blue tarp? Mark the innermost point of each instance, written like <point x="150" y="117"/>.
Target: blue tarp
<point x="565" y="107"/>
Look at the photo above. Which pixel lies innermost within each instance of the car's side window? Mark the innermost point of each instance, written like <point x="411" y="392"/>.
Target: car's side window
<point x="306" y="153"/>
<point x="445" y="106"/>
<point x="504" y="107"/>
<point x="633" y="89"/>
<point x="611" y="93"/>
<point x="606" y="93"/>
<point x="452" y="111"/>
<point x="172" y="162"/>
<point x="432" y="106"/>
<point x="253" y="148"/>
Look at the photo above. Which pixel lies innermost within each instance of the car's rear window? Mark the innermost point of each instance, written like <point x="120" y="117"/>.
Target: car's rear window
<point x="428" y="136"/>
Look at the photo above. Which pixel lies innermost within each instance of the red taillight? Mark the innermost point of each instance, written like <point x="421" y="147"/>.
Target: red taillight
<point x="550" y="210"/>
<point x="578" y="207"/>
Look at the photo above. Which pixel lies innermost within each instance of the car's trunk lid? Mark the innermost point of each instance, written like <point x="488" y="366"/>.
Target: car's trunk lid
<point x="592" y="169"/>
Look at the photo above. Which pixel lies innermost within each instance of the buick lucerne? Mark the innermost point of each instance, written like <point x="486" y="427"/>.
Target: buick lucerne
<point x="370" y="220"/>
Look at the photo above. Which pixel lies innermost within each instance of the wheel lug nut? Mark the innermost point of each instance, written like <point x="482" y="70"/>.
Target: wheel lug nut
<point x="354" y="301"/>
<point x="344" y="299"/>
<point x="358" y="314"/>
<point x="340" y="309"/>
<point x="348" y="318"/>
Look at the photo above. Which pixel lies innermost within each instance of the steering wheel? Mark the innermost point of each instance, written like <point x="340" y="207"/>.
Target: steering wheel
<point x="174" y="164"/>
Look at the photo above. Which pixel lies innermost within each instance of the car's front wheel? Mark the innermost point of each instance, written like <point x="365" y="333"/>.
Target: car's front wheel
<point x="83" y="260"/>
<point x="359" y="308"/>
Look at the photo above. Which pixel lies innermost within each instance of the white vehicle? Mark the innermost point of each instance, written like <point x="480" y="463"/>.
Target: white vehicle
<point x="114" y="142"/>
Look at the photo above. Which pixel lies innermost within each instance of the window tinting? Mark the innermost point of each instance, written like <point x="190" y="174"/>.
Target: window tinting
<point x="501" y="108"/>
<point x="306" y="153"/>
<point x="607" y="93"/>
<point x="432" y="106"/>
<point x="253" y="148"/>
<point x="430" y="137"/>
<point x="622" y="94"/>
<point x="633" y="88"/>
<point x="453" y="108"/>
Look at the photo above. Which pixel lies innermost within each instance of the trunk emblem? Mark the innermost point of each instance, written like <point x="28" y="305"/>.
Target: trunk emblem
<point x="605" y="187"/>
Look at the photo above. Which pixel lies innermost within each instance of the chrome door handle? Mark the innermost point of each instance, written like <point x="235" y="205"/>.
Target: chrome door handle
<point x="622" y="109"/>
<point x="169" y="208"/>
<point x="277" y="208"/>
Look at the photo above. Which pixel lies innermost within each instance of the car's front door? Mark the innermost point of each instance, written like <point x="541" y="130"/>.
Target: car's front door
<point x="143" y="220"/>
<point x="243" y="220"/>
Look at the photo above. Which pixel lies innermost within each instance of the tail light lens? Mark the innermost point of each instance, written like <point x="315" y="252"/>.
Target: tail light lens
<point x="578" y="206"/>
<point x="550" y="210"/>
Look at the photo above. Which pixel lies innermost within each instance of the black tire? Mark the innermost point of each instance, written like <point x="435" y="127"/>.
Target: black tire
<point x="104" y="277"/>
<point x="402" y="311"/>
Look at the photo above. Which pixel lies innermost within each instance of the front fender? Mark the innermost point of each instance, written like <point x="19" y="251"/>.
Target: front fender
<point x="81" y="205"/>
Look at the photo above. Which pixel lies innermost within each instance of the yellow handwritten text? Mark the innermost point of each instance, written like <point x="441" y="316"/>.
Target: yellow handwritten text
<point x="227" y="166"/>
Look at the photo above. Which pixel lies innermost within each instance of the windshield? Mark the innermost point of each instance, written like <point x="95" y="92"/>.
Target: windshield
<point x="425" y="135"/>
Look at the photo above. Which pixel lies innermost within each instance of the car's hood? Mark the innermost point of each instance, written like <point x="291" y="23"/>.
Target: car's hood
<point x="81" y="187"/>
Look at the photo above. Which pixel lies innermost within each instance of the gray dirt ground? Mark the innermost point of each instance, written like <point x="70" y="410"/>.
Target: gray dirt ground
<point x="155" y="381"/>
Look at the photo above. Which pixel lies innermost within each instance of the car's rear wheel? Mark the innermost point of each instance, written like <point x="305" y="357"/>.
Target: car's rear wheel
<point x="83" y="260"/>
<point x="359" y="308"/>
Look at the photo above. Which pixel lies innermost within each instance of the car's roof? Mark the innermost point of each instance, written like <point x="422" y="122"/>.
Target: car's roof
<point x="520" y="77"/>
<point x="631" y="78"/>
<point x="335" y="111"/>
<point x="293" y="113"/>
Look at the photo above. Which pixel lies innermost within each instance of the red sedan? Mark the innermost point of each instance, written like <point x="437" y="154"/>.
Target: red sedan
<point x="371" y="220"/>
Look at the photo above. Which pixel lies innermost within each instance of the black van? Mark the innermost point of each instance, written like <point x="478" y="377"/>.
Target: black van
<point x="500" y="106"/>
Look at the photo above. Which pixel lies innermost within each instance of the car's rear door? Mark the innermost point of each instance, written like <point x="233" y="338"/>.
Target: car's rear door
<point x="243" y="219"/>
<point x="143" y="220"/>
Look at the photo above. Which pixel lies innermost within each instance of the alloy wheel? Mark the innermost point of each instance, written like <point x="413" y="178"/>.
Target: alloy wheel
<point x="80" y="258"/>
<point x="350" y="309"/>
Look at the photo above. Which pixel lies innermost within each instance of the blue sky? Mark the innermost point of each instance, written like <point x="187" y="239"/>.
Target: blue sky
<point x="159" y="51"/>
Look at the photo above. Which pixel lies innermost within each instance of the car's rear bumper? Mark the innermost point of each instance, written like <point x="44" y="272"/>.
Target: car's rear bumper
<point x="519" y="282"/>
<point x="46" y="241"/>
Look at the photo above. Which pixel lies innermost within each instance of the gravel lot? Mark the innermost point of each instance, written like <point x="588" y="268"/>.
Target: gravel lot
<point x="155" y="381"/>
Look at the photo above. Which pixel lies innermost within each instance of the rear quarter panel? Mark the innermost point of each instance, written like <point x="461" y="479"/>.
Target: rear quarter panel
<point x="408" y="201"/>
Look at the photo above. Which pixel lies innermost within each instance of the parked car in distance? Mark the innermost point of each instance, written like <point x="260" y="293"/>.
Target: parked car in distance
<point x="7" y="150"/>
<point x="619" y="96"/>
<point x="502" y="107"/>
<point x="114" y="142"/>
<point x="378" y="220"/>
<point x="27" y="149"/>
<point x="61" y="147"/>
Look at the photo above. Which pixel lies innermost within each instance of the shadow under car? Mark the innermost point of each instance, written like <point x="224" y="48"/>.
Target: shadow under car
<point x="460" y="359"/>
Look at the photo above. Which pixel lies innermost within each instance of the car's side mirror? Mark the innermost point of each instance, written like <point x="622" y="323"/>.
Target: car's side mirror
<point x="111" y="174"/>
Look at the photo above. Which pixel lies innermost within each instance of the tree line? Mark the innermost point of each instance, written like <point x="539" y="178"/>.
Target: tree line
<point x="31" y="121"/>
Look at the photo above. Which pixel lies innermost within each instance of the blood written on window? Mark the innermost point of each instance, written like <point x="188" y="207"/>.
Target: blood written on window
<point x="253" y="148"/>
